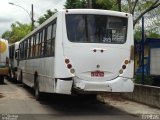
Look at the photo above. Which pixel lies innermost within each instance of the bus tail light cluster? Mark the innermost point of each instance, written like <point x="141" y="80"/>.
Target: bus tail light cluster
<point x="69" y="66"/>
<point x="124" y="66"/>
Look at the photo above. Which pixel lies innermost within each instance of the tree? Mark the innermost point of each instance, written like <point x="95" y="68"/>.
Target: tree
<point x="46" y="16"/>
<point x="104" y="4"/>
<point x="96" y="4"/>
<point x="6" y="35"/>
<point x="73" y="4"/>
<point x="17" y="32"/>
<point x="138" y="7"/>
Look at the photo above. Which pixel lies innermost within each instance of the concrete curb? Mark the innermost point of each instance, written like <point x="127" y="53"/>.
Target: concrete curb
<point x="130" y="107"/>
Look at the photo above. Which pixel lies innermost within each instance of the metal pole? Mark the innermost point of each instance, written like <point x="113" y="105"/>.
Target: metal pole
<point x="32" y="16"/>
<point x="32" y="13"/>
<point x="142" y="82"/>
<point x="20" y="7"/>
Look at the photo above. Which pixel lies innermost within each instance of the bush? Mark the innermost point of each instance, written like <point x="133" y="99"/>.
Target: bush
<point x="148" y="80"/>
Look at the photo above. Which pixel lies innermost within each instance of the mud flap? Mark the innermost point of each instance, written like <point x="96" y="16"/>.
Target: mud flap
<point x="64" y="86"/>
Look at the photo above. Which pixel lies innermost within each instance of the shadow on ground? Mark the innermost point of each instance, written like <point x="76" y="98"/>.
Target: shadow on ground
<point x="75" y="105"/>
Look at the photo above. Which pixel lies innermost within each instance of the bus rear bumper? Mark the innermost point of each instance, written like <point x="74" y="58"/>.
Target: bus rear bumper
<point x="119" y="84"/>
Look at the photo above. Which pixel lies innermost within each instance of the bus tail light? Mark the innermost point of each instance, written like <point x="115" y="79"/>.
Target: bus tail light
<point x="126" y="62"/>
<point x="69" y="66"/>
<point x="72" y="71"/>
<point x="124" y="66"/>
<point x="120" y="71"/>
<point x="132" y="53"/>
<point x="67" y="60"/>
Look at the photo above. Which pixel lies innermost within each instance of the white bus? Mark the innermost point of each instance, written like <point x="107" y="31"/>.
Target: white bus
<point x="79" y="50"/>
<point x="4" y="59"/>
<point x="13" y="56"/>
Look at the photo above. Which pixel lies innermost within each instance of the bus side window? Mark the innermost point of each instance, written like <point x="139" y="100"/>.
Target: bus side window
<point x="43" y="42"/>
<point x="34" y="45"/>
<point x="48" y="41"/>
<point x="31" y="47"/>
<point x="22" y="50"/>
<point x="53" y="39"/>
<point x="28" y="49"/>
<point x="25" y="49"/>
<point x="37" y="44"/>
<point x="17" y="54"/>
<point x="40" y="43"/>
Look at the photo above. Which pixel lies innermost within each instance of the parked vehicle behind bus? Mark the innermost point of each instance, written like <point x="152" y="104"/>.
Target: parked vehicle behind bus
<point x="4" y="59"/>
<point x="79" y="51"/>
<point x="13" y="58"/>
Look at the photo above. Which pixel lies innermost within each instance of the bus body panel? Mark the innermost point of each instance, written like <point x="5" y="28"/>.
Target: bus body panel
<point x="32" y="67"/>
<point x="60" y="68"/>
<point x="85" y="61"/>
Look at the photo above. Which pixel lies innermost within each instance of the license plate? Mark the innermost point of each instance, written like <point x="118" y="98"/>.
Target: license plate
<point x="97" y="74"/>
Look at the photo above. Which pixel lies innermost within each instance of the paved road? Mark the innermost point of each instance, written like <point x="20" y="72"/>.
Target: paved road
<point x="17" y="101"/>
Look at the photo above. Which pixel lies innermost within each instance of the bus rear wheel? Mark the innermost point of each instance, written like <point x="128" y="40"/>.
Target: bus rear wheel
<point x="38" y="94"/>
<point x="89" y="97"/>
<point x="1" y="79"/>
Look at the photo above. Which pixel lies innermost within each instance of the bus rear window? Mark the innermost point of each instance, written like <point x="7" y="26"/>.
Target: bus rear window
<point x="85" y="28"/>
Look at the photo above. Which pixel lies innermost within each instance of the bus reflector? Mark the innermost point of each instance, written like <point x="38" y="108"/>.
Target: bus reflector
<point x="124" y="67"/>
<point x="69" y="66"/>
<point x="126" y="62"/>
<point x="120" y="71"/>
<point x="67" y="61"/>
<point x="72" y="70"/>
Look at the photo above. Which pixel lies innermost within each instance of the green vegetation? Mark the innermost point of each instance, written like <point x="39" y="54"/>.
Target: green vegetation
<point x="150" y="34"/>
<point x="20" y="30"/>
<point x="148" y="80"/>
<point x="72" y="4"/>
<point x="47" y="15"/>
<point x="17" y="32"/>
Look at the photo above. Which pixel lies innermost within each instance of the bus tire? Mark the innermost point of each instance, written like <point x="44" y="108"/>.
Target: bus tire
<point x="89" y="97"/>
<point x="38" y="94"/>
<point x="21" y="78"/>
<point x="1" y="79"/>
<point x="9" y="74"/>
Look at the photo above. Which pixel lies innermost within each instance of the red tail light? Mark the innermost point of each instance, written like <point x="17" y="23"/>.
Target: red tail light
<point x="123" y="67"/>
<point x="69" y="66"/>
